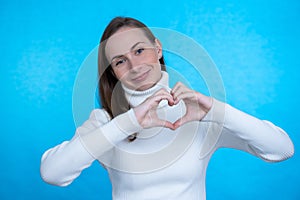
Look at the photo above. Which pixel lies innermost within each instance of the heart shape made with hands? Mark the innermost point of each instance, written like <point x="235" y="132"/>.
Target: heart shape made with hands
<point x="197" y="105"/>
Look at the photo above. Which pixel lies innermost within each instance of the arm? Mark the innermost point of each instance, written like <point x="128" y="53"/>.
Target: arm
<point x="258" y="137"/>
<point x="229" y="127"/>
<point x="64" y="163"/>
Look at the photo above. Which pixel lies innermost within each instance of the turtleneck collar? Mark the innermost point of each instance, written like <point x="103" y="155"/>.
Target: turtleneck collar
<point x="135" y="97"/>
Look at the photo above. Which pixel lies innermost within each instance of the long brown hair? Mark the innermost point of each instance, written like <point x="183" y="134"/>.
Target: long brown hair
<point x="110" y="91"/>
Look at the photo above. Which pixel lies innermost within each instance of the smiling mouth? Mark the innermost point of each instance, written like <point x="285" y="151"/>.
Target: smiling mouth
<point x="141" y="77"/>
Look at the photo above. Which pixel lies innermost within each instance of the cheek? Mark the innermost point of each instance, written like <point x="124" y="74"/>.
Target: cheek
<point x="154" y="58"/>
<point x="118" y="74"/>
<point x="121" y="75"/>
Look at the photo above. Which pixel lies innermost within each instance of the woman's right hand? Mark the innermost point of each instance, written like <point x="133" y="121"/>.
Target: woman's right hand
<point x="146" y="111"/>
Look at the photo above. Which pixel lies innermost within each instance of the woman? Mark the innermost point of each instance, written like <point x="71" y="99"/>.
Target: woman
<point x="150" y="137"/>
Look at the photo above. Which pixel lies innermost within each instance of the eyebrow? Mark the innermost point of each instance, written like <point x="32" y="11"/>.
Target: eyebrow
<point x="118" y="56"/>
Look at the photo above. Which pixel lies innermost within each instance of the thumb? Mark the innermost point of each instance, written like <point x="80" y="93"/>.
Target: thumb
<point x="179" y="122"/>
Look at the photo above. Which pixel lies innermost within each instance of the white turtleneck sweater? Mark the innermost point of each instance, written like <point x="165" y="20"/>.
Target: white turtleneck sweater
<point x="161" y="163"/>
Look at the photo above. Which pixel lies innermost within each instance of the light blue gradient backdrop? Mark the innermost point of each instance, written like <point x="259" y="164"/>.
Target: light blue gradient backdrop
<point x="255" y="45"/>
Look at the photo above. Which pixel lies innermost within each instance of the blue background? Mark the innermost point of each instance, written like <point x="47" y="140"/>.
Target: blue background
<point x="255" y="45"/>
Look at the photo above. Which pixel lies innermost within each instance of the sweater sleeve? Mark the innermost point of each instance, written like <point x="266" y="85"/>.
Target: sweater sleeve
<point x="62" y="164"/>
<point x="244" y="132"/>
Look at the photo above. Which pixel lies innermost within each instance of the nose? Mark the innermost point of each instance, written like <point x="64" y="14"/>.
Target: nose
<point x="133" y="63"/>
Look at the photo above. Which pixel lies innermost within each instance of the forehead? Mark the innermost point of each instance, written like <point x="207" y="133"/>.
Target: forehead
<point x="121" y="42"/>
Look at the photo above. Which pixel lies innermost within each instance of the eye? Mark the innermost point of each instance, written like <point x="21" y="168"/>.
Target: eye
<point x="119" y="62"/>
<point x="139" y="51"/>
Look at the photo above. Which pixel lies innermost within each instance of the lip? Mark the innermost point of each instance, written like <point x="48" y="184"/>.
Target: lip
<point x="141" y="77"/>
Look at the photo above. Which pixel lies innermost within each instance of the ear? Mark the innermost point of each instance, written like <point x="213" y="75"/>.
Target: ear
<point x="158" y="47"/>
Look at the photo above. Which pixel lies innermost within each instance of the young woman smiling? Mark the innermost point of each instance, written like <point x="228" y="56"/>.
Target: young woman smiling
<point x="149" y="136"/>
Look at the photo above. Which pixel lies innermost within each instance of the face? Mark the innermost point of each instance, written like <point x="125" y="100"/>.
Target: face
<point x="134" y="59"/>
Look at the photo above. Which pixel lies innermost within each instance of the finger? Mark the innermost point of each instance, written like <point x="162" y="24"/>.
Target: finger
<point x="177" y="86"/>
<point x="179" y="90"/>
<point x="165" y="94"/>
<point x="152" y="102"/>
<point x="166" y="124"/>
<point x="189" y="95"/>
<point x="155" y="100"/>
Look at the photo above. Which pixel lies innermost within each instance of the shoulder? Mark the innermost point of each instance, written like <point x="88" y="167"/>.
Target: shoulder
<point x="100" y="115"/>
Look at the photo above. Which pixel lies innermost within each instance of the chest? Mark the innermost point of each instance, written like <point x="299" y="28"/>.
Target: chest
<point x="182" y="171"/>
<point x="159" y="158"/>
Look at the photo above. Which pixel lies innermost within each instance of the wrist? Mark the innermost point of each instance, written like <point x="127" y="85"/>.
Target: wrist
<point x="205" y="102"/>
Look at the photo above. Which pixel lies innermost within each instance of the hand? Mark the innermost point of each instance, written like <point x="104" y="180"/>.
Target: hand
<point x="146" y="112"/>
<point x="197" y="104"/>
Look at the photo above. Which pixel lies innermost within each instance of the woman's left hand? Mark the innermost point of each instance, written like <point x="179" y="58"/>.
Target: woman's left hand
<point x="197" y="104"/>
